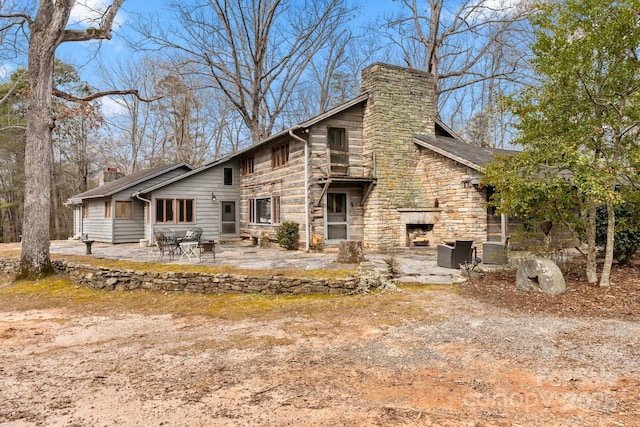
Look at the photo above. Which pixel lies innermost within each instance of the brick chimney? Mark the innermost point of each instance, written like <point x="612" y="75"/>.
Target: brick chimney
<point x="400" y="105"/>
<point x="109" y="174"/>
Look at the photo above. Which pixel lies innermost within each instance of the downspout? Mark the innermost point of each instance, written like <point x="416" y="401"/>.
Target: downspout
<point x="139" y="197"/>
<point x="307" y="230"/>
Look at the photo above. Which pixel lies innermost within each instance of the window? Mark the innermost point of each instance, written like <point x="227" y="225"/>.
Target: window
<point x="337" y="142"/>
<point x="85" y="210"/>
<point x="275" y="209"/>
<point x="265" y="210"/>
<point x="228" y="176"/>
<point x="337" y="139"/>
<point x="164" y="210"/>
<point x="124" y="209"/>
<point x="185" y="210"/>
<point x="107" y="209"/>
<point x="280" y="155"/>
<point x="178" y="211"/>
<point x="247" y="165"/>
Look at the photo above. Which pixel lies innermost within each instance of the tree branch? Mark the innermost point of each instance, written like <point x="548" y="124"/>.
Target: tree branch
<point x="101" y="33"/>
<point x="72" y="98"/>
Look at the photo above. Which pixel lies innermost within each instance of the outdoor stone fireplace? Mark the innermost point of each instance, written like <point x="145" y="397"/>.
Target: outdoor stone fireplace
<point x="419" y="224"/>
<point x="419" y="234"/>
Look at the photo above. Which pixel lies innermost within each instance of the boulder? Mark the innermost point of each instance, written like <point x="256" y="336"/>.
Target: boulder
<point x="541" y="275"/>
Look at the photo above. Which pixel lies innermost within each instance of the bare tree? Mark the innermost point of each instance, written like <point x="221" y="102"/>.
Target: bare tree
<point x="46" y="29"/>
<point x="254" y="51"/>
<point x="188" y="121"/>
<point x="477" y="43"/>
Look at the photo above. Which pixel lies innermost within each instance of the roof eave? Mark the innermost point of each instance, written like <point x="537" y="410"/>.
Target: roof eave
<point x="447" y="154"/>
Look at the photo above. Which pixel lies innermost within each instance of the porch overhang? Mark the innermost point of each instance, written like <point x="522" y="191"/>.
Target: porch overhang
<point x="367" y="185"/>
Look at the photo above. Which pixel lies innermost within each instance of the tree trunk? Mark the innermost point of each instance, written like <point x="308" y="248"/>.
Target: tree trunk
<point x="608" y="256"/>
<point x="35" y="258"/>
<point x="590" y="229"/>
<point x="46" y="32"/>
<point x="350" y="252"/>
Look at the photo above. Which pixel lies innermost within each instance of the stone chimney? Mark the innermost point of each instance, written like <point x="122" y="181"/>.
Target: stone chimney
<point x="109" y="174"/>
<point x="400" y="105"/>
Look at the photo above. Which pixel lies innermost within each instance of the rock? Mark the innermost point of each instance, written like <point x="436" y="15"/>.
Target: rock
<point x="541" y="275"/>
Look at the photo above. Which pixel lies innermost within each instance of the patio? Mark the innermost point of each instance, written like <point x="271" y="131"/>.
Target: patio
<point x="415" y="265"/>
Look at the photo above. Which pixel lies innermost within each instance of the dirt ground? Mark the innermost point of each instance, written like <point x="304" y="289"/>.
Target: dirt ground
<point x="481" y="354"/>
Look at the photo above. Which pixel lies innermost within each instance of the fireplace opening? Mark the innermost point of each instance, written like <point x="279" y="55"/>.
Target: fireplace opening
<point x="419" y="234"/>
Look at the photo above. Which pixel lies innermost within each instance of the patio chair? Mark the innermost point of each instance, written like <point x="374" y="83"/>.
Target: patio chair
<point x="191" y="238"/>
<point x="165" y="244"/>
<point x="192" y="235"/>
<point x="456" y="255"/>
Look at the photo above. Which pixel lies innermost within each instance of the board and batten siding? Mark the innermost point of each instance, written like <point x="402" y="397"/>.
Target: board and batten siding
<point x="199" y="187"/>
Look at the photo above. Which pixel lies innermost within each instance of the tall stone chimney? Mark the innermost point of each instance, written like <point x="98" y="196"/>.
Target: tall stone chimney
<point x="400" y="105"/>
<point x="109" y="174"/>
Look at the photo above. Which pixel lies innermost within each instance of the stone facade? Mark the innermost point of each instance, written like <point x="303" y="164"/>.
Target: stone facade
<point x="400" y="104"/>
<point x="463" y="214"/>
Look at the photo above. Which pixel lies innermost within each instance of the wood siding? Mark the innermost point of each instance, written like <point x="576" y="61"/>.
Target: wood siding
<point x="199" y="188"/>
<point x="288" y="181"/>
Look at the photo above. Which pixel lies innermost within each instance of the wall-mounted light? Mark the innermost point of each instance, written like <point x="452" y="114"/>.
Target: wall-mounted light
<point x="473" y="182"/>
<point x="213" y="197"/>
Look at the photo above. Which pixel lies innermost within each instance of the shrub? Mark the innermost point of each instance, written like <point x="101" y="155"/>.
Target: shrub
<point x="288" y="235"/>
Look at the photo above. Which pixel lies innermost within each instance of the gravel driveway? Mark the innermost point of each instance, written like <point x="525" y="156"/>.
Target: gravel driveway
<point x="420" y="356"/>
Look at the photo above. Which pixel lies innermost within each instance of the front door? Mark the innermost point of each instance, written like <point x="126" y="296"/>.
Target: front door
<point x="228" y="223"/>
<point x="336" y="216"/>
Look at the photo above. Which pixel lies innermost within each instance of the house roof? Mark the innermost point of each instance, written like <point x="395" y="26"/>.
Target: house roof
<point x="183" y="176"/>
<point x="469" y="155"/>
<point x="306" y="124"/>
<point x="125" y="182"/>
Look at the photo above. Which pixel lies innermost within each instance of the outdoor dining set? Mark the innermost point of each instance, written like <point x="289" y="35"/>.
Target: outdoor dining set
<point x="188" y="244"/>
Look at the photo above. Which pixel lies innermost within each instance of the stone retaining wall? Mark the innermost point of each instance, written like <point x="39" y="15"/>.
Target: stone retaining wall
<point x="124" y="280"/>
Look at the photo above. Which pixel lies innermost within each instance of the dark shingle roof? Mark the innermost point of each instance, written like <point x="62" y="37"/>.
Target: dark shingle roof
<point x="128" y="181"/>
<point x="470" y="155"/>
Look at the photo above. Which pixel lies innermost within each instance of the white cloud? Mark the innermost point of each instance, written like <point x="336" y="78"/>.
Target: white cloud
<point x="495" y="8"/>
<point x="87" y="13"/>
<point x="111" y="107"/>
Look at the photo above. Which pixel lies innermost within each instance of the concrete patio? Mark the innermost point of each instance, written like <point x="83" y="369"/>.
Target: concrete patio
<point x="415" y="265"/>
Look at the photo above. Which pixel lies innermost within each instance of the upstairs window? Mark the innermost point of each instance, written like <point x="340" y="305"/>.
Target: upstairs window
<point x="337" y="139"/>
<point x="247" y="166"/>
<point x="280" y="155"/>
<point x="228" y="176"/>
<point x="339" y="156"/>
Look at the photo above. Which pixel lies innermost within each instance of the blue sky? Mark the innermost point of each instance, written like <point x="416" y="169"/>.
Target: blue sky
<point x="83" y="55"/>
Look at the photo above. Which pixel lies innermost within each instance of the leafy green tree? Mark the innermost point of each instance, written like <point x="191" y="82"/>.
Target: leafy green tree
<point x="578" y="128"/>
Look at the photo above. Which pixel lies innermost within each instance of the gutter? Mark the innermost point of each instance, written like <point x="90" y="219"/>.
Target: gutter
<point x="139" y="197"/>
<point x="307" y="229"/>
